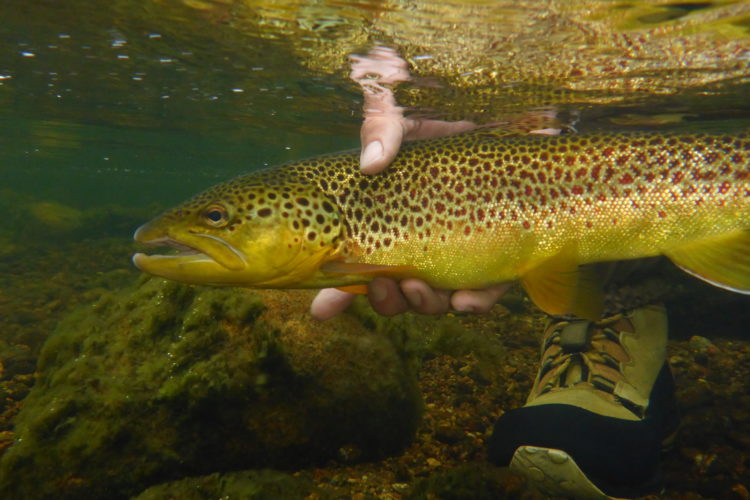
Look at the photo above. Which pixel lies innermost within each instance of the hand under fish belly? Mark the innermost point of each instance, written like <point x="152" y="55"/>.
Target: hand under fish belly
<point x="472" y="210"/>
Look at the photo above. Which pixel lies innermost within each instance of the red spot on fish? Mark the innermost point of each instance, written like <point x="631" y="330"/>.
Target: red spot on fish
<point x="526" y="224"/>
<point x="577" y="190"/>
<point x="608" y="174"/>
<point x="626" y="179"/>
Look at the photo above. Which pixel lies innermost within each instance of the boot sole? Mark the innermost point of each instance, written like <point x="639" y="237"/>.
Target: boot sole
<point x="555" y="473"/>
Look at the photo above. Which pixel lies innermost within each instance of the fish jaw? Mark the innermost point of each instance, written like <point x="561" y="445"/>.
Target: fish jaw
<point x="204" y="257"/>
<point x="193" y="269"/>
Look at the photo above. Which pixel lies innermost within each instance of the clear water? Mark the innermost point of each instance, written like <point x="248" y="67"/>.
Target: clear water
<point x="125" y="107"/>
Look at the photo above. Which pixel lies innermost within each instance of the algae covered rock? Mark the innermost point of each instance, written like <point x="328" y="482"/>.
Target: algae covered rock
<point x="478" y="481"/>
<point x="56" y="217"/>
<point x="248" y="485"/>
<point x="165" y="381"/>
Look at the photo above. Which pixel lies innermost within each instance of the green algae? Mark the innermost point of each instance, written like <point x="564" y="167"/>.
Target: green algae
<point x="250" y="485"/>
<point x="164" y="381"/>
<point x="422" y="337"/>
<point x="478" y="481"/>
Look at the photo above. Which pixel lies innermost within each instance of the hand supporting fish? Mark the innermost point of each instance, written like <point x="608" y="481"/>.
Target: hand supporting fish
<point x="384" y="129"/>
<point x="472" y="211"/>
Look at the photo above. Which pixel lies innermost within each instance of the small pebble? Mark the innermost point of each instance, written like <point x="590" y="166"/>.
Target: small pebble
<point x="702" y="344"/>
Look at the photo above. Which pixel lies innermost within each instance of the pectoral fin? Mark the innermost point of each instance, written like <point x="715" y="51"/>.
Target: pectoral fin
<point x="723" y="261"/>
<point x="355" y="289"/>
<point x="560" y="286"/>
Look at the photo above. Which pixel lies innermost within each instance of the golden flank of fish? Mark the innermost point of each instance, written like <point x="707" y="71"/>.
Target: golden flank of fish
<point x="472" y="210"/>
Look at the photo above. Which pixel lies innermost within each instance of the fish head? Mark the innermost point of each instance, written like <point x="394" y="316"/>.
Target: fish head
<point x="253" y="231"/>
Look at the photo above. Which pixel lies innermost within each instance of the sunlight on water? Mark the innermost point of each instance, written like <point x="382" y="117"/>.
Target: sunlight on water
<point x="199" y="90"/>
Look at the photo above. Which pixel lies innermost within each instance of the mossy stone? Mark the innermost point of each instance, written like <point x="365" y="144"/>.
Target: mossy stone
<point x="163" y="381"/>
<point x="247" y="485"/>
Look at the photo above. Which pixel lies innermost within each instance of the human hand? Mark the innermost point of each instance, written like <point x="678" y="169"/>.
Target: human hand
<point x="385" y="127"/>
<point x="389" y="297"/>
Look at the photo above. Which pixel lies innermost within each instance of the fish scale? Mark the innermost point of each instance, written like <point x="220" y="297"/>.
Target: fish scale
<point x="489" y="206"/>
<point x="532" y="194"/>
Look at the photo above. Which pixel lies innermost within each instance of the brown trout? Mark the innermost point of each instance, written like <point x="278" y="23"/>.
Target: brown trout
<point x="472" y="210"/>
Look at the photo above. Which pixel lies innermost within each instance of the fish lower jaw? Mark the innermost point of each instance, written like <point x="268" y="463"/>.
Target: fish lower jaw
<point x="152" y="263"/>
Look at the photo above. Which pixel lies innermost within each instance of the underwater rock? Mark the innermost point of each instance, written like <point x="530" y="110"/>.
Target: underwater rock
<point x="7" y="245"/>
<point x="165" y="381"/>
<point x="478" y="481"/>
<point x="30" y="222"/>
<point x="249" y="485"/>
<point x="55" y="217"/>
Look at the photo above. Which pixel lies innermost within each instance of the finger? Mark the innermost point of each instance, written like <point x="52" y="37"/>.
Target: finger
<point x="478" y="301"/>
<point x="381" y="139"/>
<point x="329" y="302"/>
<point x="424" y="299"/>
<point x="430" y="129"/>
<point x="386" y="298"/>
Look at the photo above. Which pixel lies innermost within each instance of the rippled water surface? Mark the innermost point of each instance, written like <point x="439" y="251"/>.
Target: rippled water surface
<point x="133" y="102"/>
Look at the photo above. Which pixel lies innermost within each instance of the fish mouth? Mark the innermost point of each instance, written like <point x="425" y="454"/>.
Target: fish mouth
<point x="183" y="250"/>
<point x="195" y="252"/>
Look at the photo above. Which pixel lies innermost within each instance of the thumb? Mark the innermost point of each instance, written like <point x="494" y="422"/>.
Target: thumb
<point x="381" y="140"/>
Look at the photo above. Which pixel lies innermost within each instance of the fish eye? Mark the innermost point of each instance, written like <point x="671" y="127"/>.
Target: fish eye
<point x="216" y="215"/>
